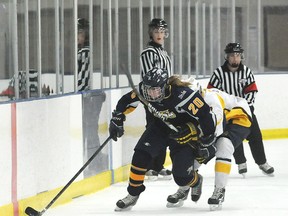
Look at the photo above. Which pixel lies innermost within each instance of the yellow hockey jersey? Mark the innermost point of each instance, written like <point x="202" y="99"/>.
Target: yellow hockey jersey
<point x="227" y="108"/>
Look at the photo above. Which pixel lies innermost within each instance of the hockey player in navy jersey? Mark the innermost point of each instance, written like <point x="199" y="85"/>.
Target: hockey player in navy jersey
<point x="155" y="56"/>
<point x="233" y="126"/>
<point x="173" y="103"/>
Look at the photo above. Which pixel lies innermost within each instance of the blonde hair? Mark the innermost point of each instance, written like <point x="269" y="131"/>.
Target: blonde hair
<point x="175" y="80"/>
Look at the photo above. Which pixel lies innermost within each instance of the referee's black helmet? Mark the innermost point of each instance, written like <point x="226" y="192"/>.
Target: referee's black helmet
<point x="233" y="48"/>
<point x="158" y="23"/>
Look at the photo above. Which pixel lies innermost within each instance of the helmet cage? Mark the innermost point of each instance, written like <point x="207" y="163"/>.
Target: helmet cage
<point x="233" y="48"/>
<point x="160" y="25"/>
<point x="241" y="54"/>
<point x="153" y="94"/>
<point x="154" y="83"/>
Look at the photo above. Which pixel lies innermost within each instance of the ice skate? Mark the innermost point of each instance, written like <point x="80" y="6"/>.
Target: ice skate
<point x="152" y="175"/>
<point x="267" y="169"/>
<point x="196" y="191"/>
<point x="217" y="198"/>
<point x="242" y="169"/>
<point x="177" y="199"/>
<point x="126" y="203"/>
<point x="166" y="174"/>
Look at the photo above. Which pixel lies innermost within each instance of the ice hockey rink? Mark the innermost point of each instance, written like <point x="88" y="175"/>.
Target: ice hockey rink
<point x="256" y="195"/>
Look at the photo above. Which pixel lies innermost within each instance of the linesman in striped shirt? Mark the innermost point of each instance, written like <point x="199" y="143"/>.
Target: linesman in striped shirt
<point x="83" y="55"/>
<point x="237" y="79"/>
<point x="155" y="56"/>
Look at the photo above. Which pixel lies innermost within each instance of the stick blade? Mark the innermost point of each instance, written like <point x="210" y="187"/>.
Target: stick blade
<point x="32" y="212"/>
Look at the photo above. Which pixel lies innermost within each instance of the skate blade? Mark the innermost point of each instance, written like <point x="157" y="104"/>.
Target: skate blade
<point x="117" y="209"/>
<point x="243" y="175"/>
<point x="215" y="207"/>
<point x="175" y="205"/>
<point x="166" y="177"/>
<point x="151" y="178"/>
<point x="267" y="174"/>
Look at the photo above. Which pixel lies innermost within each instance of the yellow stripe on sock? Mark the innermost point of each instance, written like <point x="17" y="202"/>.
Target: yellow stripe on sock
<point x="137" y="177"/>
<point x="222" y="167"/>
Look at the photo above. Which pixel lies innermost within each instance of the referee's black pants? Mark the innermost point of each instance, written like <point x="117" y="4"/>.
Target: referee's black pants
<point x="256" y="145"/>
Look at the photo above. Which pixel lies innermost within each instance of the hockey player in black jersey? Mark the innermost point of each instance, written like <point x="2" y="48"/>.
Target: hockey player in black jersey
<point x="172" y="102"/>
<point x="155" y="56"/>
<point x="233" y="126"/>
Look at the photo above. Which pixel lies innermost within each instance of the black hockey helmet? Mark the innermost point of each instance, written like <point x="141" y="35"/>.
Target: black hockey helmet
<point x="154" y="83"/>
<point x="158" y="23"/>
<point x="82" y="24"/>
<point x="83" y="27"/>
<point x="233" y="48"/>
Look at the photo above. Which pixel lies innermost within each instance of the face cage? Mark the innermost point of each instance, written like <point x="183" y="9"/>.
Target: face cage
<point x="226" y="55"/>
<point x="166" y="31"/>
<point x="146" y="89"/>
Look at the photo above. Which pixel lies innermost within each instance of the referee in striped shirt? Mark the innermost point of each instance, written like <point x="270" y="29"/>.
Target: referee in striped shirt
<point x="155" y="56"/>
<point x="237" y="79"/>
<point x="83" y="56"/>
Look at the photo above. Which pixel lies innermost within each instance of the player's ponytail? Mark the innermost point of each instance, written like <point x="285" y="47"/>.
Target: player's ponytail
<point x="175" y="80"/>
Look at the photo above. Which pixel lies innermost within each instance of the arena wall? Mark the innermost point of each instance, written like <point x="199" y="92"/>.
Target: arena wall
<point x="43" y="146"/>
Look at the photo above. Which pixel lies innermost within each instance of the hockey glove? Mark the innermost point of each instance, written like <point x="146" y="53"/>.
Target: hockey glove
<point x="206" y="141"/>
<point x="186" y="133"/>
<point x="116" y="129"/>
<point x="194" y="146"/>
<point x="205" y="154"/>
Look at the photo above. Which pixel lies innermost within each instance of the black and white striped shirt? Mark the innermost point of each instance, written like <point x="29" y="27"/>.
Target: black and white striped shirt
<point x="240" y="83"/>
<point x="154" y="56"/>
<point x="83" y="68"/>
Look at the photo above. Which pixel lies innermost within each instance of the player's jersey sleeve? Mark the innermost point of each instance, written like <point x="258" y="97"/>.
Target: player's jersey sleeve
<point x="217" y="105"/>
<point x="127" y="103"/>
<point x="250" y="90"/>
<point x="236" y="109"/>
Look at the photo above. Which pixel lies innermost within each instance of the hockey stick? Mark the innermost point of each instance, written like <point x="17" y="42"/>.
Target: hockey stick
<point x="152" y="109"/>
<point x="32" y="212"/>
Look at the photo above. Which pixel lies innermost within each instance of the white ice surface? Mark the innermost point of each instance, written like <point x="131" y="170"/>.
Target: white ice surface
<point x="256" y="195"/>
